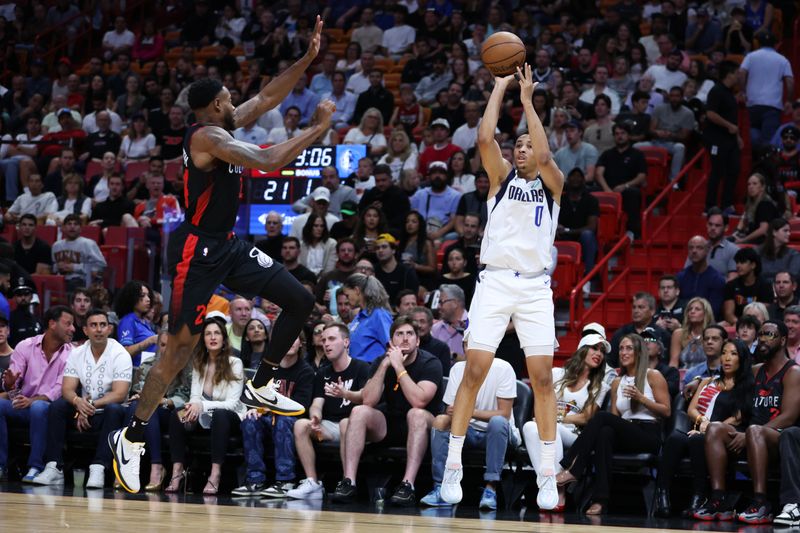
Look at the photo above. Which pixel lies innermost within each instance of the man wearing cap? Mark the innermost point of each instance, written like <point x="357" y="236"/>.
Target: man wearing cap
<point x="438" y="203"/>
<point x="388" y="197"/>
<point x="321" y="201"/>
<point x="777" y="140"/>
<point x="788" y="158"/>
<point x="346" y="226"/>
<point x="704" y="35"/>
<point x="656" y="351"/>
<point x="340" y="193"/>
<point x="23" y="323"/>
<point x="272" y="244"/>
<point x="429" y="86"/>
<point x="393" y="275"/>
<point x="441" y="149"/>
<point x="577" y="154"/>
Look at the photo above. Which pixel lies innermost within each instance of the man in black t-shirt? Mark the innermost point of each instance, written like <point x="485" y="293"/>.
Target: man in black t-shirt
<point x="290" y="252"/>
<point x="117" y="210"/>
<point x="104" y="139"/>
<point x="30" y="252"/>
<point x="721" y="136"/>
<point x="623" y="169"/>
<point x="404" y="375"/>
<point x="393" y="275"/>
<point x="337" y="388"/>
<point x="577" y="219"/>
<point x="474" y="202"/>
<point x="747" y="287"/>
<point x="170" y="138"/>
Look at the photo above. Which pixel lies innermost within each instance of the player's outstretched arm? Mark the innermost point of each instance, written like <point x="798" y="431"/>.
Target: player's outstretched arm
<point x="552" y="177"/>
<point x="496" y="167"/>
<point x="276" y="90"/>
<point x="221" y="145"/>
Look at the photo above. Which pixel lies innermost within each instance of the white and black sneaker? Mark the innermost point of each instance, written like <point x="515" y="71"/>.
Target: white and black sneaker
<point x="127" y="456"/>
<point x="249" y="489"/>
<point x="278" y="489"/>
<point x="789" y="516"/>
<point x="268" y="397"/>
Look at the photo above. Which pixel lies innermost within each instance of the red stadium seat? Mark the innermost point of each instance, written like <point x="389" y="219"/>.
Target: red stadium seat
<point x="119" y="235"/>
<point x="657" y="169"/>
<point x="48" y="234"/>
<point x="92" y="232"/>
<point x="117" y="260"/>
<point x="134" y="169"/>
<point x="568" y="270"/>
<point x="52" y="289"/>
<point x="611" y="224"/>
<point x="9" y="232"/>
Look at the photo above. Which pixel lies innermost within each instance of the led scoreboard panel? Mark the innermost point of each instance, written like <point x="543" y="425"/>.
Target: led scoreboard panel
<point x="279" y="189"/>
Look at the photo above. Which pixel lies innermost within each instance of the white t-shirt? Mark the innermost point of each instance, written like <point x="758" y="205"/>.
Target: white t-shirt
<point x="138" y="149"/>
<point x="96" y="377"/>
<point x="466" y="137"/>
<point x="398" y="165"/>
<point x="112" y="39"/>
<point x="397" y="39"/>
<point x="69" y="208"/>
<point x="665" y="79"/>
<point x="271" y="119"/>
<point x="100" y="193"/>
<point x="356" y="136"/>
<point x="500" y="382"/>
<point x="279" y="135"/>
<point x="90" y="122"/>
<point x="358" y="83"/>
<point x="574" y="402"/>
<point x="26" y="203"/>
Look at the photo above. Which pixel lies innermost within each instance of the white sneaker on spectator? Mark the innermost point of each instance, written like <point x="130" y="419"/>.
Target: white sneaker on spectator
<point x="451" y="485"/>
<point x="547" y="499"/>
<point x="32" y="473"/>
<point x="51" y="475"/>
<point x="278" y="489"/>
<point x="97" y="477"/>
<point x="308" y="489"/>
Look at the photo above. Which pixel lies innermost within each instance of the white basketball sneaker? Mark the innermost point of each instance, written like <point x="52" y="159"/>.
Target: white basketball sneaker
<point x="127" y="456"/>
<point x="451" y="485"/>
<point x="547" y="499"/>
<point x="268" y="397"/>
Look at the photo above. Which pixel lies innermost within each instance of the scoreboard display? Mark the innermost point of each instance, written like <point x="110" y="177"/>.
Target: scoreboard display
<point x="279" y="189"/>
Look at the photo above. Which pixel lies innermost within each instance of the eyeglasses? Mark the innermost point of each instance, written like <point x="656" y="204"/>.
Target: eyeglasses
<point x="442" y="302"/>
<point x="365" y="269"/>
<point x="768" y="334"/>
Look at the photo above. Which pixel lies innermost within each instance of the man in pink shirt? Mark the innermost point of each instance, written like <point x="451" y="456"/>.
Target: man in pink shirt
<point x="32" y="381"/>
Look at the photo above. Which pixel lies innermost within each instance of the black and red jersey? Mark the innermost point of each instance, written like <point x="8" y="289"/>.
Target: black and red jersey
<point x="768" y="394"/>
<point x="211" y="197"/>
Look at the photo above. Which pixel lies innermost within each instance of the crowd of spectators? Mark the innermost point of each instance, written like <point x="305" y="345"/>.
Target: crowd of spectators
<point x="391" y="252"/>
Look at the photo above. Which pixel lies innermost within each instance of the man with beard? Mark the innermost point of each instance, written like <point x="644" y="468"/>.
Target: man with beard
<point x="788" y="157"/>
<point x="441" y="149"/>
<point x="393" y="275"/>
<point x="453" y="110"/>
<point x="345" y="265"/>
<point x="671" y="126"/>
<point x="577" y="220"/>
<point x="388" y="197"/>
<point x="170" y="138"/>
<point x="203" y="251"/>
<point x="668" y="75"/>
<point x="474" y="202"/>
<point x="423" y="318"/>
<point x="438" y="203"/>
<point x="776" y="406"/>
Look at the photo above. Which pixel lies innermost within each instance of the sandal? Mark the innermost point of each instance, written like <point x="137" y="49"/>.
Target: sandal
<point x="212" y="491"/>
<point x="596" y="509"/>
<point x="180" y="478"/>
<point x="562" y="478"/>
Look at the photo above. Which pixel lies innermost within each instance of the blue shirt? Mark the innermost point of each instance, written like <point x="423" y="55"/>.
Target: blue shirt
<point x="320" y="84"/>
<point x="5" y="308"/>
<point x="305" y="101"/>
<point x="133" y="330"/>
<point x="369" y="334"/>
<point x="708" y="284"/>
<point x="438" y="205"/>
<point x="701" y="370"/>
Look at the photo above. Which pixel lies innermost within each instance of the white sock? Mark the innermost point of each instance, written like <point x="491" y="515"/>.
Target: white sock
<point x="454" y="451"/>
<point x="548" y="458"/>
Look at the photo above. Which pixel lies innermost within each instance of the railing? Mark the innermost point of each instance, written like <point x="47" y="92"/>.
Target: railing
<point x="576" y="307"/>
<point x="796" y="53"/>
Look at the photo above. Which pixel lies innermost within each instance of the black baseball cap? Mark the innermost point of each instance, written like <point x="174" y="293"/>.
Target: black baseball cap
<point x="349" y="208"/>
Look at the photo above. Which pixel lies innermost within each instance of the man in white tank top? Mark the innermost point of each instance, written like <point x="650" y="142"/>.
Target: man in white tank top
<point x="523" y="215"/>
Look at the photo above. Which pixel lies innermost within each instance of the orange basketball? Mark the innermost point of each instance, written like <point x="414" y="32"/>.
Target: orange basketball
<point x="502" y="53"/>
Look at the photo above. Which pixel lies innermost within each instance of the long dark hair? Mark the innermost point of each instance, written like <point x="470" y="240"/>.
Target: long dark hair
<point x="420" y="236"/>
<point x="742" y="391"/>
<point x="360" y="230"/>
<point x="572" y="372"/>
<point x="308" y="230"/>
<point x="768" y="250"/>
<point x="223" y="370"/>
<point x="246" y="353"/>
<point x="128" y="297"/>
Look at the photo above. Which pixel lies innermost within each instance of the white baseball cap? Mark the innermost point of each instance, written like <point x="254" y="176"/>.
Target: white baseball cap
<point x="321" y="193"/>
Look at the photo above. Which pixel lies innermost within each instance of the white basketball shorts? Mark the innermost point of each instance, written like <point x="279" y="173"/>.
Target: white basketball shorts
<point x="502" y="295"/>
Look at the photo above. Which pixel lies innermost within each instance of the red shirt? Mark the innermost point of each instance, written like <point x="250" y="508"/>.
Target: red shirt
<point x="432" y="154"/>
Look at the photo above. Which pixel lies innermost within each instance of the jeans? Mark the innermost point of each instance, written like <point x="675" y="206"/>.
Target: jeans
<point x="632" y="205"/>
<point x="61" y="415"/>
<point x="10" y="169"/>
<point x="35" y="417"/>
<point x="789" y="445"/>
<point x="675" y="149"/>
<point x="494" y="440"/>
<point x="282" y="433"/>
<point x="764" y="122"/>
<point x="588" y="240"/>
<point x="152" y="431"/>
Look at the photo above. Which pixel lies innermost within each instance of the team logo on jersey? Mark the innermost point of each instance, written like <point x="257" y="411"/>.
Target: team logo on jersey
<point x="263" y="260"/>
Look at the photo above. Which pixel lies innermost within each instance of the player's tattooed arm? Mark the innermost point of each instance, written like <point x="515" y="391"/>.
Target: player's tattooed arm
<point x="276" y="90"/>
<point x="151" y="395"/>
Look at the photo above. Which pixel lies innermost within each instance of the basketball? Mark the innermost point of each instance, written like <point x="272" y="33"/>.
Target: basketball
<point x="502" y="53"/>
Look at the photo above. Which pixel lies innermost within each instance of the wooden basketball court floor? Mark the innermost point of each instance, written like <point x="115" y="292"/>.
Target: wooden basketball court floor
<point x="49" y="509"/>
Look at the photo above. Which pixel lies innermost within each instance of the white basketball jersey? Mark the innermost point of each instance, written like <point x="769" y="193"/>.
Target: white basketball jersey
<point x="521" y="227"/>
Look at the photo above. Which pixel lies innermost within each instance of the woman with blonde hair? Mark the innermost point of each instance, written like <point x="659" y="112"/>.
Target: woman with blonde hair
<point x="757" y="310"/>
<point x="759" y="210"/>
<point x="401" y="154"/>
<point x="369" y="132"/>
<point x="686" y="347"/>
<point x="558" y="130"/>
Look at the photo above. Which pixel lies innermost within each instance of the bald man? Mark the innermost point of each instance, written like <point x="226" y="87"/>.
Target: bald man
<point x="699" y="278"/>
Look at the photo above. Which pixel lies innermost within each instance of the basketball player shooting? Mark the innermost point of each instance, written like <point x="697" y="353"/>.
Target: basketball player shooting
<point x="523" y="214"/>
<point x="204" y="253"/>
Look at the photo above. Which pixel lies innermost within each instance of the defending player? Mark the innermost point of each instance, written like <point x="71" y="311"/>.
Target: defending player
<point x="523" y="214"/>
<point x="203" y="252"/>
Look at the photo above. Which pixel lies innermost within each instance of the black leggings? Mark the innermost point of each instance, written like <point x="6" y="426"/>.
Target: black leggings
<point x="676" y="448"/>
<point x="605" y="434"/>
<point x="223" y="424"/>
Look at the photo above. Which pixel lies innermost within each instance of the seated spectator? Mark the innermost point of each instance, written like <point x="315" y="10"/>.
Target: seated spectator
<point x="421" y="62"/>
<point x="600" y="86"/>
<point x="131" y="103"/>
<point x="759" y="210"/>
<point x="317" y="249"/>
<point x="67" y="132"/>
<point x="139" y="143"/>
<point x="777" y="139"/>
<point x="453" y="319"/>
<point x="334" y="397"/>
<point x="34" y="379"/>
<point x="371" y="224"/>
<point x="469" y="240"/>
<point x="757" y="310"/>
<point x="81" y="303"/>
<point x="320" y="206"/>
<point x="17" y="160"/>
<point x="72" y="202"/>
<point x="747" y="331"/>
<point x="722" y="249"/>
<point x="637" y="116"/>
<point x="321" y="82"/>
<point x="273" y="242"/>
<point x="239" y="311"/>
<point x="117" y="209"/>
<point x="149" y="45"/>
<point x="358" y="82"/>
<point x="698" y="278"/>
<point x="199" y="26"/>
<point x="623" y="169"/>
<point x="94" y="122"/>
<point x="704" y="35"/>
<point x="97" y="187"/>
<point x="169" y="139"/>
<point x="686" y="348"/>
<point x="719" y="398"/>
<point x="492" y="429"/>
<point x="61" y="167"/>
<point x="577" y="219"/>
<point x="441" y="149"/>
<point x="671" y="126"/>
<point x="290" y="254"/>
<point x="387" y="197"/>
<point x="370" y="132"/>
<point x="296" y="382"/>
<point x="362" y="179"/>
<point x="401" y="155"/>
<point x="5" y="285"/>
<point x="416" y="249"/>
<point x="580" y="392"/>
<point x="24" y="323"/>
<point x="408" y="382"/>
<point x="345" y="101"/>
<point x="460" y="177"/>
<point x="437" y="203"/>
<point x="218" y="410"/>
<point x="251" y="133"/>
<point x="5" y="348"/>
<point x="671" y="307"/>
<point x="368" y="35"/>
<point x="77" y="258"/>
<point x="456" y="260"/>
<point x="600" y="132"/>
<point x="785" y="287"/>
<point x="375" y="97"/>
<point x="747" y="287"/>
<point x="369" y="330"/>
<point x="408" y="115"/>
<point x="639" y="402"/>
<point x="642" y="312"/>
<point x="621" y="82"/>
<point x="393" y="275"/>
<point x="776" y="255"/>
<point x="473" y="203"/>
<point x="340" y="193"/>
<point x="31" y="252"/>
<point x="398" y="39"/>
<point x="577" y="154"/>
<point x="775" y="407"/>
<point x="158" y="207"/>
<point x="118" y="40"/>
<point x="291" y="121"/>
<point x="254" y="342"/>
<point x="101" y="370"/>
<point x="714" y="336"/>
<point x="302" y="99"/>
<point x="668" y="75"/>
<point x="430" y="85"/>
<point x="657" y="354"/>
<point x="331" y="281"/>
<point x="135" y="333"/>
